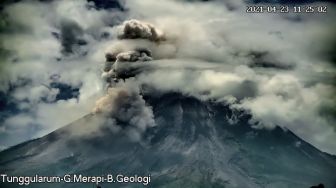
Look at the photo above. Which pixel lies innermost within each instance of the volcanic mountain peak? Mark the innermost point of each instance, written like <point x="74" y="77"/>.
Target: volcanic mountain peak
<point x="192" y="145"/>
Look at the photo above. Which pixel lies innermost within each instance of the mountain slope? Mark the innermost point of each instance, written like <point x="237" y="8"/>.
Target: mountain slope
<point x="195" y="144"/>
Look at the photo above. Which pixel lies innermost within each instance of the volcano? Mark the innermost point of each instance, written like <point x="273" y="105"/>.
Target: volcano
<point x="195" y="143"/>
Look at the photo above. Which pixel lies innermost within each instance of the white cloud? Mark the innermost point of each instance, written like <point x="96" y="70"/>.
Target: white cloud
<point x="34" y="38"/>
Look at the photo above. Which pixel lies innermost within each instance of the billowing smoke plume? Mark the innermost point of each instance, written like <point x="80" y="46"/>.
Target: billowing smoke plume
<point x="117" y="57"/>
<point x="133" y="56"/>
<point x="125" y="104"/>
<point x="134" y="29"/>
<point x="127" y="107"/>
<point x="112" y="70"/>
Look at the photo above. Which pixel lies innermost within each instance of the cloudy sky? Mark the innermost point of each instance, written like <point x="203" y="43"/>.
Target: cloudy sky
<point x="278" y="67"/>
